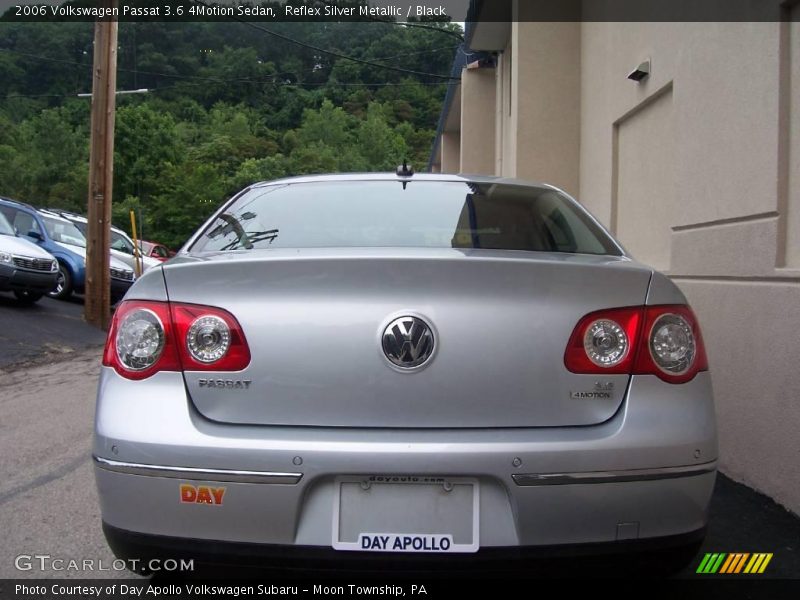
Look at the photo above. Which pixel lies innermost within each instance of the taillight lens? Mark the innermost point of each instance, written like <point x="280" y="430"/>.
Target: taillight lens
<point x="141" y="340"/>
<point x="147" y="337"/>
<point x="604" y="342"/>
<point x="208" y="339"/>
<point x="672" y="345"/>
<point x="662" y="340"/>
<point x="211" y="339"/>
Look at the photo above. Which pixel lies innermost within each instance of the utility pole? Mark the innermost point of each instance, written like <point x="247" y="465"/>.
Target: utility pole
<point x="101" y="170"/>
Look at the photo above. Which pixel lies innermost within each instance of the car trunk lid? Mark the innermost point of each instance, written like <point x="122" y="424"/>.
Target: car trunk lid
<point x="314" y="321"/>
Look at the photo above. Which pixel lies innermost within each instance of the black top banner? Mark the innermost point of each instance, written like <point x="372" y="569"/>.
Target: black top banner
<point x="403" y="10"/>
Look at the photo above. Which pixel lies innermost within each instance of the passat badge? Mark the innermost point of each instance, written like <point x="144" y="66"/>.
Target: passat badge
<point x="225" y="384"/>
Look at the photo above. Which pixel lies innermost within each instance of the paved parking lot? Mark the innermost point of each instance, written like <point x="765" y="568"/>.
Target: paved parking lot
<point x="48" y="370"/>
<point x="48" y="329"/>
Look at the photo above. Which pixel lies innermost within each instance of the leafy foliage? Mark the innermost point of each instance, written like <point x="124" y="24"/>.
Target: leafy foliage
<point x="229" y="105"/>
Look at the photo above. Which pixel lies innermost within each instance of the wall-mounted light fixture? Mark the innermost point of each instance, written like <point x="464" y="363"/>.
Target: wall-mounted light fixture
<point x="640" y="72"/>
<point x="483" y="63"/>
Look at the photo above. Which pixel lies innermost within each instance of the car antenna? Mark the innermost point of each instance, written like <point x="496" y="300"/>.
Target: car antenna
<point x="405" y="170"/>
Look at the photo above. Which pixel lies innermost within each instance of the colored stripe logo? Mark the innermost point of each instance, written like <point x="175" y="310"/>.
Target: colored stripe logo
<point x="734" y="563"/>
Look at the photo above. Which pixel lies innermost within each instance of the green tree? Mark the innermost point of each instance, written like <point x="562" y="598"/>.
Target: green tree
<point x="381" y="147"/>
<point x="145" y="142"/>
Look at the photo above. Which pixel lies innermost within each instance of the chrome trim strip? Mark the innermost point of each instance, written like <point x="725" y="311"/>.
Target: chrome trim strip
<point x="224" y="475"/>
<point x="534" y="479"/>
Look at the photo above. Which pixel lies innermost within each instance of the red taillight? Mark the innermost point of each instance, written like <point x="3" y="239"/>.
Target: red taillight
<point x="141" y="340"/>
<point x="210" y="322"/>
<point x="602" y="325"/>
<point x="147" y="337"/>
<point x="663" y="340"/>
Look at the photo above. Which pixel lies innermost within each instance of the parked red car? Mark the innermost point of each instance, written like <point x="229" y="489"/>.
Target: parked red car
<point x="156" y="250"/>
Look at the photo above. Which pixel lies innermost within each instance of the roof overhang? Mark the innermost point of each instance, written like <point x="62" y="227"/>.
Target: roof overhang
<point x="491" y="36"/>
<point x="488" y="25"/>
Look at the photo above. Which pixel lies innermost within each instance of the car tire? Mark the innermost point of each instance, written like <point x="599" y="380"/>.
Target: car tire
<point x="27" y="297"/>
<point x="63" y="289"/>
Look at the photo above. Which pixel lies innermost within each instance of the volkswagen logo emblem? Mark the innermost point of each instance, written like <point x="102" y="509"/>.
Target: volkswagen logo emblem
<point x="408" y="342"/>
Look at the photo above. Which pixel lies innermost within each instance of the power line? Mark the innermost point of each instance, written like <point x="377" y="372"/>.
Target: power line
<point x="360" y="83"/>
<point x="291" y="84"/>
<point x="394" y="56"/>
<point x="47" y="58"/>
<point x="332" y="52"/>
<point x="12" y="96"/>
<point x="285" y="84"/>
<point x="211" y="79"/>
<point x="86" y="65"/>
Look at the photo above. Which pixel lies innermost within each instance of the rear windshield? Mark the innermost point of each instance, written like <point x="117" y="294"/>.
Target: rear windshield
<point x="422" y="214"/>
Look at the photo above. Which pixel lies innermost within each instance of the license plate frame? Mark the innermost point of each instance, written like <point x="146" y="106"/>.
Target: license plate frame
<point x="433" y="541"/>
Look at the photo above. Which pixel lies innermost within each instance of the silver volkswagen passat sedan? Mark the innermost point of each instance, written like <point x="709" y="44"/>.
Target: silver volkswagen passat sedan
<point x="454" y="369"/>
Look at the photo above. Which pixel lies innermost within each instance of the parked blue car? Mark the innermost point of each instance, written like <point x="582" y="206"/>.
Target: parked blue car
<point x="64" y="241"/>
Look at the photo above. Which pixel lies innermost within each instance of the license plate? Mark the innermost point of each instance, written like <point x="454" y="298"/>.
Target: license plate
<point x="406" y="514"/>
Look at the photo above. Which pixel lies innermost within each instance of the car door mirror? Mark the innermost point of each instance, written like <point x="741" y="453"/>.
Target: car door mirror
<point x="35" y="235"/>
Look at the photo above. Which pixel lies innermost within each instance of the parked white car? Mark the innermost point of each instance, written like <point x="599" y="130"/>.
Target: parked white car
<point x="25" y="269"/>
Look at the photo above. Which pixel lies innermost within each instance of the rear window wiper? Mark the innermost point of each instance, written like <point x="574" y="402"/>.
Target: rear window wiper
<point x="238" y="229"/>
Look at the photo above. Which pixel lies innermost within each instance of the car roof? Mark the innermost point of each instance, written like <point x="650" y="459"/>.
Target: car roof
<point x="71" y="216"/>
<point x="52" y="215"/>
<point x="443" y="177"/>
<point x="57" y="213"/>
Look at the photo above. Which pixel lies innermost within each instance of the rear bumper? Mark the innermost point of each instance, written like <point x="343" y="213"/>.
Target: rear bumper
<point x="647" y="473"/>
<point x="510" y="516"/>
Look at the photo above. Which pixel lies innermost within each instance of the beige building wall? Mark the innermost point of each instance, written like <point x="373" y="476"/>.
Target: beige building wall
<point x="477" y="121"/>
<point x="696" y="171"/>
<point x="791" y="125"/>
<point x="545" y="80"/>
<point x="644" y="149"/>
<point x="451" y="152"/>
